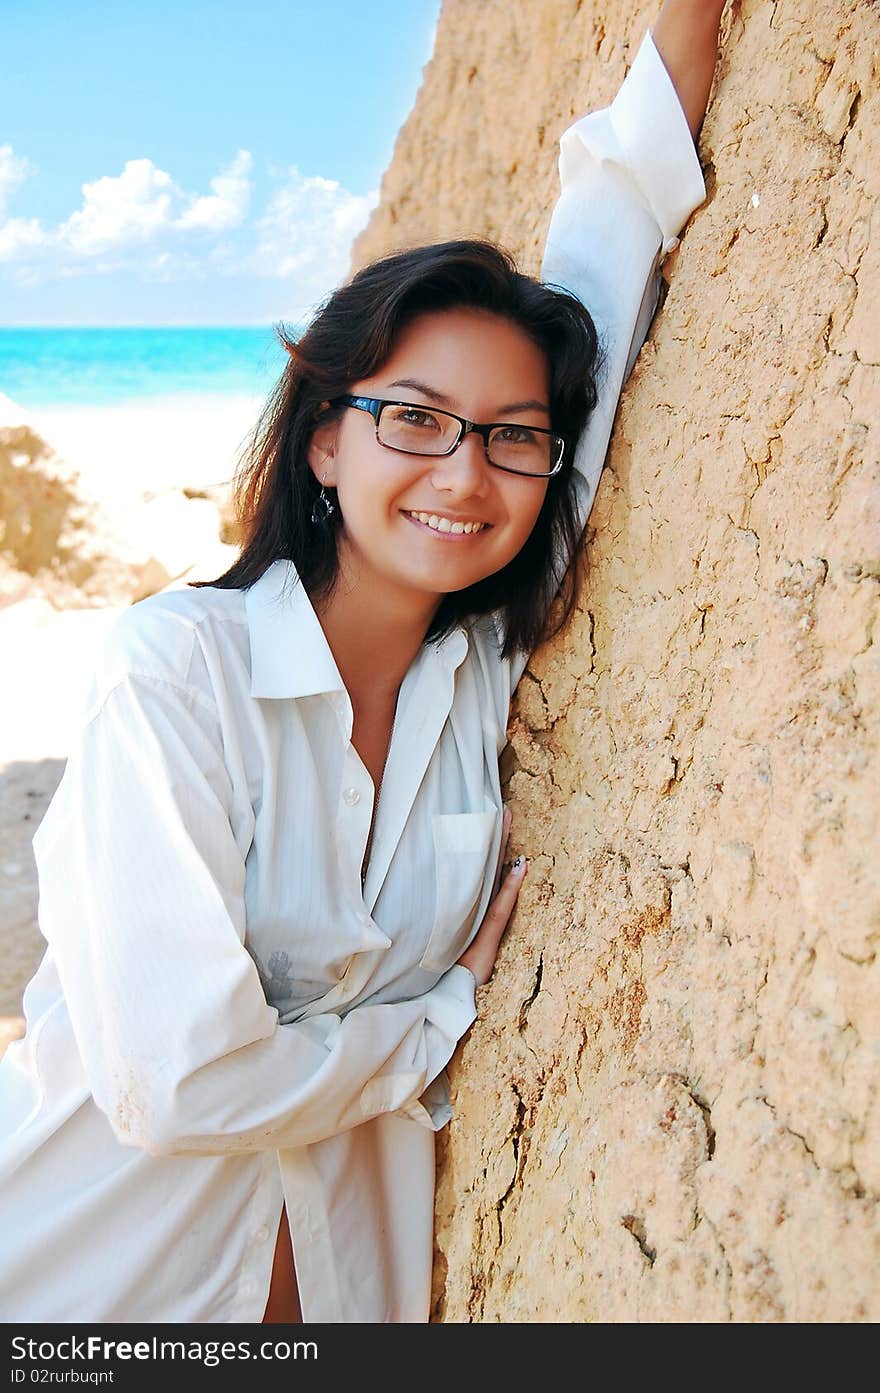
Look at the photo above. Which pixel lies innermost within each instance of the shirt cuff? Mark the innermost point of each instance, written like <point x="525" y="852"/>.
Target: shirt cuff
<point x="451" y="1008"/>
<point x="433" y="1109"/>
<point x="450" y="1002"/>
<point x="646" y="132"/>
<point x="660" y="149"/>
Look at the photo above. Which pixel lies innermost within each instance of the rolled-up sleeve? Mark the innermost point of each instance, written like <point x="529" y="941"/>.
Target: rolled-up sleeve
<point x="141" y="899"/>
<point x="629" y="180"/>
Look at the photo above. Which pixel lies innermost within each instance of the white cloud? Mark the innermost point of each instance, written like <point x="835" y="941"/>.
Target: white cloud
<point x="14" y="169"/>
<point x="121" y="213"/>
<point x="118" y="210"/>
<point x="144" y="201"/>
<point x="307" y="231"/>
<point x="142" y="226"/>
<point x="228" y="205"/>
<point x="20" y="235"/>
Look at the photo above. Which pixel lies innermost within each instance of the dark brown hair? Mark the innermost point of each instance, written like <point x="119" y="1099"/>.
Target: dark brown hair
<point x="350" y="337"/>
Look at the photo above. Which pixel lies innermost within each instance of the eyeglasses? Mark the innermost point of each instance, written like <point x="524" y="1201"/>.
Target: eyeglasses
<point x="415" y="429"/>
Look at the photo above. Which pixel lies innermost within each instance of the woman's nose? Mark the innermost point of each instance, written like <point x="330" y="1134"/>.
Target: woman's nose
<point x="466" y="470"/>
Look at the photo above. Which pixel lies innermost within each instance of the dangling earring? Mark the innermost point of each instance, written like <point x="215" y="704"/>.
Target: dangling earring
<point x="322" y="507"/>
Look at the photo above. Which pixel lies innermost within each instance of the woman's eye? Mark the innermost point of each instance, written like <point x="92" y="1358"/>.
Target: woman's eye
<point x="411" y="416"/>
<point x="516" y="435"/>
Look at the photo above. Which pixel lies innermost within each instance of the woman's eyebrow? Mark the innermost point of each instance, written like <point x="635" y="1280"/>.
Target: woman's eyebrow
<point x="530" y="404"/>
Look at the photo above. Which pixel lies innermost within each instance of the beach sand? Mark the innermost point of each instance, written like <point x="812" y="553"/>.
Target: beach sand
<point x="135" y="459"/>
<point x="149" y="447"/>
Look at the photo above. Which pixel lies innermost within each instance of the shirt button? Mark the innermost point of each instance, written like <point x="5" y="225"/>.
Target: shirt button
<point x="262" y="1234"/>
<point x="351" y="796"/>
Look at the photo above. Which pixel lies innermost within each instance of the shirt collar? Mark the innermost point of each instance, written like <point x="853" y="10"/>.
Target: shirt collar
<point x="290" y="655"/>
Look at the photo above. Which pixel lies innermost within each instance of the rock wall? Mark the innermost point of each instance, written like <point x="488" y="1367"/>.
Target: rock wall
<point x="668" y="1108"/>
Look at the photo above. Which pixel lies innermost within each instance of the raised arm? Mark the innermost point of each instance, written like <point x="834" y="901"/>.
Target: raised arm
<point x="686" y="35"/>
<point x="630" y="179"/>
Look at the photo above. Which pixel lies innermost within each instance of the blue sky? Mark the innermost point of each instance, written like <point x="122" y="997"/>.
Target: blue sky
<point x="194" y="162"/>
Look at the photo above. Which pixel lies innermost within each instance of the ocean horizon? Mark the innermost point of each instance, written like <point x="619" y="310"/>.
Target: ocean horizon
<point x="46" y="367"/>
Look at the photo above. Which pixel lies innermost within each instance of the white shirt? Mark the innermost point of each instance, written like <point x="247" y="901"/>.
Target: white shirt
<point x="222" y="1020"/>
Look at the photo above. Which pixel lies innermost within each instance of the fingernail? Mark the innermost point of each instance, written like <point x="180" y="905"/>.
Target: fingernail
<point x="519" y="865"/>
<point x="507" y="813"/>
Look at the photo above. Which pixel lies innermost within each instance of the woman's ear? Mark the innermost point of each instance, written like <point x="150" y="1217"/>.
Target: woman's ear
<point x="321" y="450"/>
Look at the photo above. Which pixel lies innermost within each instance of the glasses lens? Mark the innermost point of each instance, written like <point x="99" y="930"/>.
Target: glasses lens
<point x="529" y="451"/>
<point x="419" y="429"/>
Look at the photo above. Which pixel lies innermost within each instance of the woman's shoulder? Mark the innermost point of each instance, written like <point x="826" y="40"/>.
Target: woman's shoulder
<point x="164" y="637"/>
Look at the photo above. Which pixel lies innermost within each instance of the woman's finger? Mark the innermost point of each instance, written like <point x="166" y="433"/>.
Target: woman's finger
<point x="479" y="956"/>
<point x="501" y="907"/>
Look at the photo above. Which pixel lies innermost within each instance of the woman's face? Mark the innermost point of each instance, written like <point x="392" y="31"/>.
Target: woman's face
<point x="482" y="367"/>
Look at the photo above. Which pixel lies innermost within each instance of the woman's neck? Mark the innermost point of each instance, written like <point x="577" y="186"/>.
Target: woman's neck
<point x="373" y="637"/>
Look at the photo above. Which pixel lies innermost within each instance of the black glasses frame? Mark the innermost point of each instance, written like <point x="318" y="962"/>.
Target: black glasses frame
<point x="375" y="405"/>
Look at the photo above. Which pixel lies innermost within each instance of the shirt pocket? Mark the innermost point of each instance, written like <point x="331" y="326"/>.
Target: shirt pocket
<point x="464" y="846"/>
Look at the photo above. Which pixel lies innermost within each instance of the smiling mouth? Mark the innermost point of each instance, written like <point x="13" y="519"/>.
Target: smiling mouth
<point x="443" y="527"/>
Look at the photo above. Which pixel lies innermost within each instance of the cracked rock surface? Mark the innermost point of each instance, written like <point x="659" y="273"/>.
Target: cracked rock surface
<point x="668" y="1109"/>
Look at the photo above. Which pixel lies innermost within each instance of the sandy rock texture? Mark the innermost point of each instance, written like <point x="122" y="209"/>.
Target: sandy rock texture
<point x="668" y="1109"/>
<point x="75" y="542"/>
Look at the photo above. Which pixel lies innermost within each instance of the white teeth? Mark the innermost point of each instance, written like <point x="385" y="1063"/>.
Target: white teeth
<point x="444" y="525"/>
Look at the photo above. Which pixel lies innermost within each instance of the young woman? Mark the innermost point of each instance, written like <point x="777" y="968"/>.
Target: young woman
<point x="270" y="879"/>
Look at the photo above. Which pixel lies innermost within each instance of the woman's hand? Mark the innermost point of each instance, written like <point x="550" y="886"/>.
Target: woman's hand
<point x="481" y="952"/>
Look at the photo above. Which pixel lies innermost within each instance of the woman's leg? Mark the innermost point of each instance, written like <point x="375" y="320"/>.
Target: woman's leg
<point x="283" y="1306"/>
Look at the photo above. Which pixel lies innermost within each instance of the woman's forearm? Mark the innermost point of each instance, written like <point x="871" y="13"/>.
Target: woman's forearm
<point x="686" y="36"/>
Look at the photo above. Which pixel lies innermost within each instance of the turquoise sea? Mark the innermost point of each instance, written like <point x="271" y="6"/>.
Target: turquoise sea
<point x="45" y="367"/>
